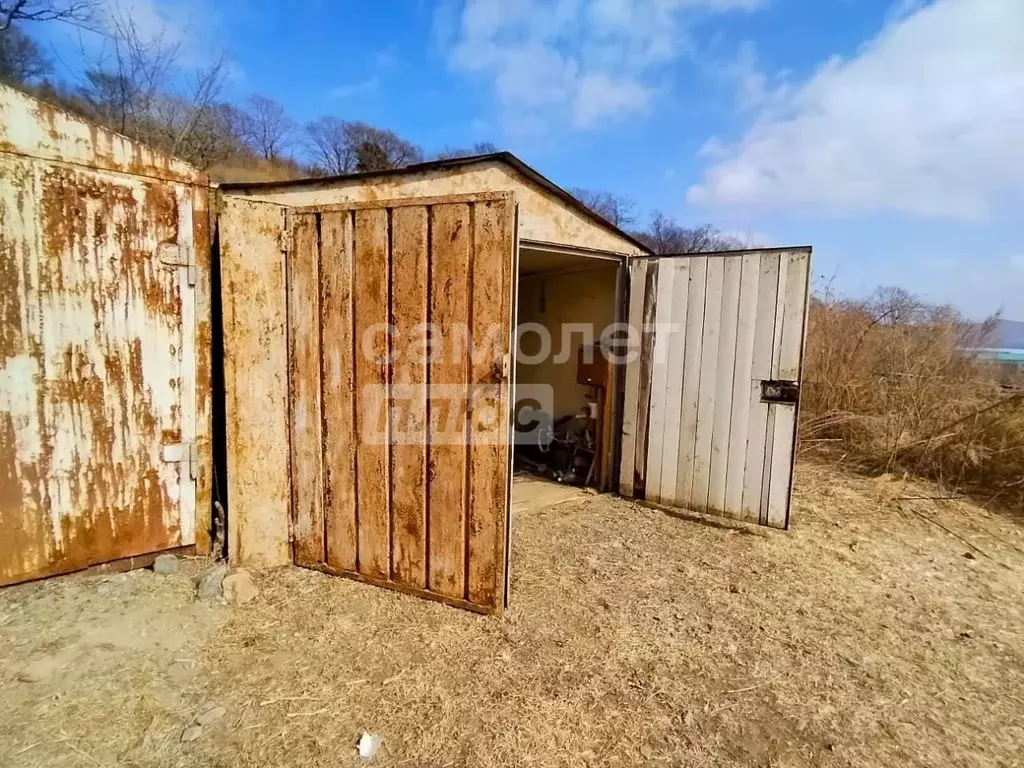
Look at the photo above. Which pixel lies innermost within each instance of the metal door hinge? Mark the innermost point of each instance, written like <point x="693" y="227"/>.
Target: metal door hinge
<point x="177" y="255"/>
<point x="285" y="236"/>
<point x="183" y="453"/>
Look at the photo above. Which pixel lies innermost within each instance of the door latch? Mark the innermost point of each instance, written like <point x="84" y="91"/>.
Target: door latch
<point x="780" y="391"/>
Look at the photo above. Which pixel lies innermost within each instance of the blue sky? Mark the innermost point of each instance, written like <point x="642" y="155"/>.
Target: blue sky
<point x="888" y="134"/>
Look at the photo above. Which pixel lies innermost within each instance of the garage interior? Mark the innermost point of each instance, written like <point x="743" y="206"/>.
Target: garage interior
<point x="568" y="439"/>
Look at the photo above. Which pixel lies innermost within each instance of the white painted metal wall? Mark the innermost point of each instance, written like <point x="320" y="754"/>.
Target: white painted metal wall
<point x="99" y="345"/>
<point x="722" y="325"/>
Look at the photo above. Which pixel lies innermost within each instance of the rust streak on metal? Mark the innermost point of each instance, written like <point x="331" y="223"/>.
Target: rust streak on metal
<point x="91" y="347"/>
<point x="10" y="295"/>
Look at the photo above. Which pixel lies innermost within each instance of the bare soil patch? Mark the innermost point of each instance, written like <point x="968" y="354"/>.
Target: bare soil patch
<point x="864" y="636"/>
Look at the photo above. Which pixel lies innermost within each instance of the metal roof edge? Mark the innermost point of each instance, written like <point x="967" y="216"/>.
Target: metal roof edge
<point x="502" y="157"/>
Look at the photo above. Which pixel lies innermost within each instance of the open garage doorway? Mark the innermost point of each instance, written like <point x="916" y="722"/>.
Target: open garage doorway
<point x="566" y="389"/>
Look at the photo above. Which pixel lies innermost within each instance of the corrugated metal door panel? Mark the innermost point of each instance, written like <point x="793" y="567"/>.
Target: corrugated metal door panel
<point x="724" y="371"/>
<point x="98" y="318"/>
<point x="400" y="463"/>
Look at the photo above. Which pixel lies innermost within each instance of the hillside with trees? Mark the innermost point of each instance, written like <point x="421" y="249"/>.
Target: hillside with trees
<point x="139" y="85"/>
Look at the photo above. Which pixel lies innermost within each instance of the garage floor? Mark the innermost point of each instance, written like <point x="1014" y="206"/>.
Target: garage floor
<point x="866" y="636"/>
<point x="530" y="494"/>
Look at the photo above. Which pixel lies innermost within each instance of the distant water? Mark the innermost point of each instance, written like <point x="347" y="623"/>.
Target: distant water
<point x="1006" y="355"/>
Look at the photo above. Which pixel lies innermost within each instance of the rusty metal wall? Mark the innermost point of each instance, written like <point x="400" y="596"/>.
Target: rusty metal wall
<point x="101" y="392"/>
<point x="255" y="382"/>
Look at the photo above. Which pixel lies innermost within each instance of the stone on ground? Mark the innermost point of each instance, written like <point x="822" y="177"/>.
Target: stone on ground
<point x="211" y="715"/>
<point x="192" y="733"/>
<point x="165" y="564"/>
<point x="239" y="587"/>
<point x="47" y="667"/>
<point x="210" y="581"/>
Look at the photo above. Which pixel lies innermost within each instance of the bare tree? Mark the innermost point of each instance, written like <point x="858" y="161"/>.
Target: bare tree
<point x="480" y="148"/>
<point x="138" y="87"/>
<point x="79" y="12"/>
<point x="371" y="157"/>
<point x="21" y="59"/>
<point x="616" y="209"/>
<point x="339" y="147"/>
<point x="398" y="151"/>
<point x="328" y="145"/>
<point x="896" y="306"/>
<point x="666" y="236"/>
<point x="265" y="127"/>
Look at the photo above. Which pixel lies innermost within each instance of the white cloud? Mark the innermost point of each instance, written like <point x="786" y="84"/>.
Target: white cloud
<point x="346" y="90"/>
<point x="187" y="34"/>
<point x="750" y="238"/>
<point x="928" y="119"/>
<point x="945" y="263"/>
<point x="743" y="73"/>
<point x="978" y="288"/>
<point x="186" y="25"/>
<point x="584" y="62"/>
<point x="388" y="57"/>
<point x="598" y="95"/>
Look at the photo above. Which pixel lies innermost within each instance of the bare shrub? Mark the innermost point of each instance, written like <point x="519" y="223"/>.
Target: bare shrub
<point x="136" y="85"/>
<point x="664" y="235"/>
<point x="264" y="127"/>
<point x="891" y="386"/>
<point x="617" y="209"/>
<point x="345" y="146"/>
<point x="76" y="12"/>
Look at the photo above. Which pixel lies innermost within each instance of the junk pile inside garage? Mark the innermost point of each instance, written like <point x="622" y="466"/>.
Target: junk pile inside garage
<point x="564" y="380"/>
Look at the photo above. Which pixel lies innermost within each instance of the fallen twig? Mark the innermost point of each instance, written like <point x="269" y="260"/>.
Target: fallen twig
<point x="289" y="698"/>
<point x="306" y="714"/>
<point x="245" y="709"/>
<point x="756" y="685"/>
<point x="930" y="498"/>
<point x="951" y="533"/>
<point x="81" y="752"/>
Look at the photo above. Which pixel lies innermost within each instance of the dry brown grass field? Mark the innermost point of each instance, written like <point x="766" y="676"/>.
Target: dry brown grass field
<point x="885" y="628"/>
<point x="889" y="388"/>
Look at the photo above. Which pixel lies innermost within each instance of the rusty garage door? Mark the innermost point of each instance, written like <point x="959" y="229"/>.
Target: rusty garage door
<point x="98" y="379"/>
<point x="399" y="319"/>
<point x="710" y="413"/>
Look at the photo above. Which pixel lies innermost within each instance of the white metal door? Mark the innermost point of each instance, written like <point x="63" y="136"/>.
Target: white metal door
<point x="98" y="345"/>
<point x="712" y="391"/>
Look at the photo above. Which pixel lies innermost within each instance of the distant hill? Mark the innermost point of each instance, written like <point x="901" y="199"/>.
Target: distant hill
<point x="1010" y="334"/>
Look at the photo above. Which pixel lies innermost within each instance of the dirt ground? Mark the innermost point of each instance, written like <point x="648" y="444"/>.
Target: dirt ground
<point x="864" y="636"/>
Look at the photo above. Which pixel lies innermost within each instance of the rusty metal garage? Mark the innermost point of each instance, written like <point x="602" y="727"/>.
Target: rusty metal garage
<point x="104" y="374"/>
<point x="702" y="417"/>
<point x="117" y="339"/>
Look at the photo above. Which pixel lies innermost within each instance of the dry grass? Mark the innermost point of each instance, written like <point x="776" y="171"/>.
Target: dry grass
<point x="242" y="169"/>
<point x="862" y="637"/>
<point x="889" y="388"/>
